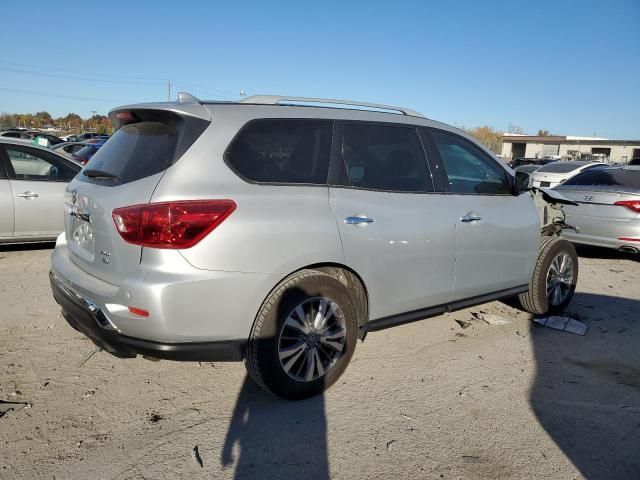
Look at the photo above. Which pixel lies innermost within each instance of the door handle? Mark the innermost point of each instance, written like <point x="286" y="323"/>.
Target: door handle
<point x="470" y="217"/>
<point x="28" y="195"/>
<point x="358" y="220"/>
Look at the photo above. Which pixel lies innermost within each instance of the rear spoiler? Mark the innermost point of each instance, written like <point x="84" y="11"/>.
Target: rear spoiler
<point x="190" y="119"/>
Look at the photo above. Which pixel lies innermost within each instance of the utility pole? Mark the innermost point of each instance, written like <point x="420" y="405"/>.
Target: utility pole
<point x="169" y="85"/>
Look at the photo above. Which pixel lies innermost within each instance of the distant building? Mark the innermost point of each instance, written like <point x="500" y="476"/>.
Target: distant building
<point x="557" y="146"/>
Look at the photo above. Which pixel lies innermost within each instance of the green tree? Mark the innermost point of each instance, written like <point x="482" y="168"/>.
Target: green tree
<point x="544" y="133"/>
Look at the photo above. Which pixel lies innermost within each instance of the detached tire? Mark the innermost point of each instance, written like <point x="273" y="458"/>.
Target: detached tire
<point x="304" y="336"/>
<point x="554" y="278"/>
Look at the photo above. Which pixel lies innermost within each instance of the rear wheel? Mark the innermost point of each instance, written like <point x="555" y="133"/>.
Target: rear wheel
<point x="303" y="337"/>
<point x="554" y="278"/>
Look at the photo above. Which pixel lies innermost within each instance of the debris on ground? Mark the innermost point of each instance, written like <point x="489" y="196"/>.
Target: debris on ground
<point x="471" y="459"/>
<point x="155" y="417"/>
<point x="89" y="393"/>
<point x="389" y="443"/>
<point x="89" y="354"/>
<point x="15" y="406"/>
<point x="463" y="323"/>
<point x="490" y="318"/>
<point x="563" y="323"/>
<point x="196" y="456"/>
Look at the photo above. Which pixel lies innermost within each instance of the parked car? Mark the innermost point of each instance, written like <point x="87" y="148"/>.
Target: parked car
<point x="85" y="153"/>
<point x="608" y="210"/>
<point x="527" y="168"/>
<point x="32" y="183"/>
<point x="520" y="161"/>
<point x="558" y="172"/>
<point x="83" y="137"/>
<point x="68" y="148"/>
<point x="283" y="233"/>
<point x="16" y="134"/>
<point x="51" y="139"/>
<point x="634" y="162"/>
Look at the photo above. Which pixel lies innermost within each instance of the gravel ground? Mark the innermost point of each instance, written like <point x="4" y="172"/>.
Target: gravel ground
<point x="425" y="400"/>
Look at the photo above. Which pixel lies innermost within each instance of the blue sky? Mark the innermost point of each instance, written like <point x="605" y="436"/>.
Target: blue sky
<point x="572" y="67"/>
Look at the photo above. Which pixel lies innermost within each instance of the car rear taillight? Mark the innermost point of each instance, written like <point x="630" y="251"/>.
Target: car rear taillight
<point x="180" y="224"/>
<point x="630" y="204"/>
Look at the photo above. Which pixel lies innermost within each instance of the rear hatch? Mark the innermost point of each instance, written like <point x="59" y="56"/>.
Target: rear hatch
<point x="125" y="172"/>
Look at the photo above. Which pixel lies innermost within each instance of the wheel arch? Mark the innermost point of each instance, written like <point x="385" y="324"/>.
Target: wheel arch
<point x="349" y="278"/>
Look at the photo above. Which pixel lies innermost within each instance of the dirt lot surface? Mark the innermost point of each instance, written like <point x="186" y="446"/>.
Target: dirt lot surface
<point x="425" y="400"/>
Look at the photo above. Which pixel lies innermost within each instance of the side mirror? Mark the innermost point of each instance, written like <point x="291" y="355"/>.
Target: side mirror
<point x="523" y="182"/>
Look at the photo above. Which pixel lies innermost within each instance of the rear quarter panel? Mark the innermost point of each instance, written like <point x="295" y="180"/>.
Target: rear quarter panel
<point x="274" y="229"/>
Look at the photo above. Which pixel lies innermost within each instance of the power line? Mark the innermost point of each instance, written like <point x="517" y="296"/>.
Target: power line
<point x="205" y="89"/>
<point x="85" y="74"/>
<point x="69" y="77"/>
<point x="106" y="78"/>
<point x="28" y="92"/>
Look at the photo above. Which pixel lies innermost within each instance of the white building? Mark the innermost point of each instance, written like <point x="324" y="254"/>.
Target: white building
<point x="556" y="146"/>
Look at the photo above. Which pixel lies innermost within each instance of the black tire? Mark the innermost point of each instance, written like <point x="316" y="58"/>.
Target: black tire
<point x="536" y="300"/>
<point x="263" y="361"/>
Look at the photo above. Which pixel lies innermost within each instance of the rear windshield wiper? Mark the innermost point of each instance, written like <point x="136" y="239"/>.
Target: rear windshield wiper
<point x="93" y="173"/>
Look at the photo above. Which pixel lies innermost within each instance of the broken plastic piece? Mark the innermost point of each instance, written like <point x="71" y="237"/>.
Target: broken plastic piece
<point x="565" y="324"/>
<point x="490" y="318"/>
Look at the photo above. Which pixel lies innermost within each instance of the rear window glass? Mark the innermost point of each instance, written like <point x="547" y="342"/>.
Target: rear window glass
<point x="607" y="177"/>
<point x="380" y="157"/>
<point x="561" y="167"/>
<point x="135" y="151"/>
<point x="282" y="151"/>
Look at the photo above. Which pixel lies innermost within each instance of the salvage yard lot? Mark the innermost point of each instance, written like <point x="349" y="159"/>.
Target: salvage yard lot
<point x="426" y="400"/>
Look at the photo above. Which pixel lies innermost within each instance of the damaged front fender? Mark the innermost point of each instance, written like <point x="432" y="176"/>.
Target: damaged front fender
<point x="552" y="216"/>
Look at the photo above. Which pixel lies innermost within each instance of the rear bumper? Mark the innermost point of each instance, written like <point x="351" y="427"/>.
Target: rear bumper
<point x="88" y="319"/>
<point x="603" y="232"/>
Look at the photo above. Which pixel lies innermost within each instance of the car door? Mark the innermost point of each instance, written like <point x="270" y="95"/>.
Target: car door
<point x="396" y="233"/>
<point x="498" y="232"/>
<point x="38" y="179"/>
<point x="6" y="202"/>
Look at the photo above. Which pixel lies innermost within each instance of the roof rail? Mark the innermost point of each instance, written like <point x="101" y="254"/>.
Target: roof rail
<point x="277" y="99"/>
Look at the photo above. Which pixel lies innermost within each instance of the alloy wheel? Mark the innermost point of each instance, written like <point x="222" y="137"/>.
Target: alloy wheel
<point x="559" y="278"/>
<point x="312" y="339"/>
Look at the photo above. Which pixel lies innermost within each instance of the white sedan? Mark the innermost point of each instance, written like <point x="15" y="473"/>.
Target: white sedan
<point x="555" y="173"/>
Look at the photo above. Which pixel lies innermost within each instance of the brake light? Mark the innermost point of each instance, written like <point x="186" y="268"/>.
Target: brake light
<point x="630" y="204"/>
<point x="180" y="224"/>
<point x="139" y="311"/>
<point x="126" y="117"/>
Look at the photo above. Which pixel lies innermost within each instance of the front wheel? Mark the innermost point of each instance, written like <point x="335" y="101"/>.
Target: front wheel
<point x="303" y="337"/>
<point x="554" y="278"/>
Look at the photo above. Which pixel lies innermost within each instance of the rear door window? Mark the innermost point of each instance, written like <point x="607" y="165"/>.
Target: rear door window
<point x="282" y="151"/>
<point x="135" y="151"/>
<point x="384" y="157"/>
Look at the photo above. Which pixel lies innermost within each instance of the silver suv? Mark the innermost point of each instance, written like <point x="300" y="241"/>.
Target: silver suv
<point x="280" y="230"/>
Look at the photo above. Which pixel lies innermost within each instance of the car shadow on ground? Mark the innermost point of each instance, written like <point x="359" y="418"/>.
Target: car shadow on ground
<point x="24" y="247"/>
<point x="273" y="438"/>
<point x="269" y="437"/>
<point x="586" y="392"/>
<point x="588" y="251"/>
